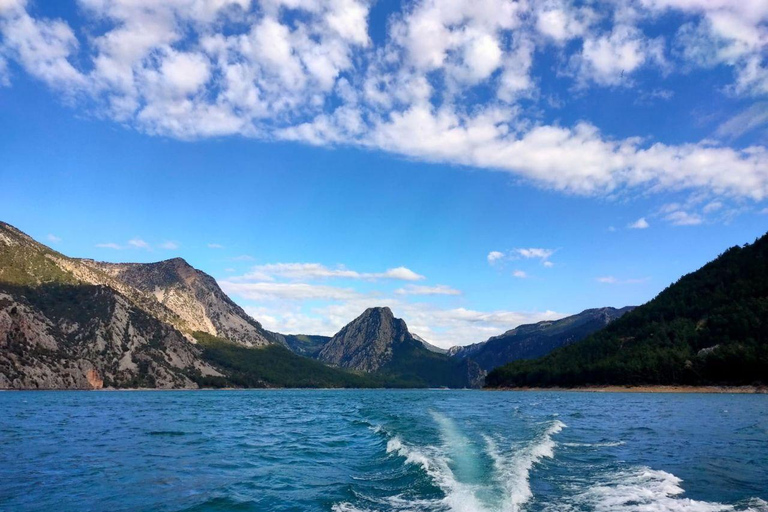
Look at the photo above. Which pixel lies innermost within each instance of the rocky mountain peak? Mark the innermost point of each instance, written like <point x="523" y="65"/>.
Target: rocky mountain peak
<point x="366" y="344"/>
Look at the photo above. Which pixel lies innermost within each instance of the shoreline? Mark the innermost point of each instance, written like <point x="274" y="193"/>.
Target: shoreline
<point x="740" y="390"/>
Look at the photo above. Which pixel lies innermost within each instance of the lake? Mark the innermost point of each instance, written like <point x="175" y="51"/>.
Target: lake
<point x="381" y="450"/>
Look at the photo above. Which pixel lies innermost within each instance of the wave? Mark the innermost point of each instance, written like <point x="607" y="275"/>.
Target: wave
<point x="646" y="490"/>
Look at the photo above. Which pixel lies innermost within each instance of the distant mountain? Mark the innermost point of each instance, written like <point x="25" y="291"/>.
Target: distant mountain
<point x="535" y="340"/>
<point x="429" y="346"/>
<point x="710" y="327"/>
<point x="376" y="342"/>
<point x="68" y="323"/>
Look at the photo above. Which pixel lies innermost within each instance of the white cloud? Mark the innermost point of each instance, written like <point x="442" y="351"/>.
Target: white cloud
<point x="215" y="246"/>
<point x="169" y="245"/>
<point x="683" y="218"/>
<point x="542" y="254"/>
<point x="439" y="289"/>
<point x="110" y="245"/>
<point x="53" y="238"/>
<point x="613" y="280"/>
<point x="138" y="243"/>
<point x="291" y="291"/>
<point x="494" y="256"/>
<point x="548" y="264"/>
<point x="188" y="69"/>
<point x="640" y="223"/>
<point x="303" y="271"/>
<point x="519" y="274"/>
<point x="243" y="257"/>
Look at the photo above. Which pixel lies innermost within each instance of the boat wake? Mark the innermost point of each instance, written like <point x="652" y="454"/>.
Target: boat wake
<point x="472" y="478"/>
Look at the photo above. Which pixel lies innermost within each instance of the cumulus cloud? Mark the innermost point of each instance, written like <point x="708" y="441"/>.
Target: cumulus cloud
<point x="494" y="256"/>
<point x="640" y="223"/>
<point x="308" y="71"/>
<point x="519" y="274"/>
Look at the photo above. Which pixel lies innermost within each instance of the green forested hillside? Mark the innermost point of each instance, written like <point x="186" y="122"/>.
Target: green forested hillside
<point x="271" y="366"/>
<point x="710" y="327"/>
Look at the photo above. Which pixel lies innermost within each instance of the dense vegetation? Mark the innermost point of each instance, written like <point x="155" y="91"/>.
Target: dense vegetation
<point x="306" y="344"/>
<point x="413" y="365"/>
<point x="271" y="366"/>
<point x="711" y="327"/>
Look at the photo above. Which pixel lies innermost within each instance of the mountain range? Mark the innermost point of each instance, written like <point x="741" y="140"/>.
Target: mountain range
<point x="710" y="327"/>
<point x="535" y="340"/>
<point x="69" y="323"/>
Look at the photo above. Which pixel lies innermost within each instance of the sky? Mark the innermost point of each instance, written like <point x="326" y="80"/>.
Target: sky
<point x="473" y="164"/>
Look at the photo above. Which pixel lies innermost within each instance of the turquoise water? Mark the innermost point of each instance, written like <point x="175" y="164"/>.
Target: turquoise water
<point x="376" y="450"/>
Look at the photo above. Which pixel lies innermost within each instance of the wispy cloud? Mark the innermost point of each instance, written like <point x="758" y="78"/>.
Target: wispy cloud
<point x="215" y="246"/>
<point x="138" y="243"/>
<point x="535" y="253"/>
<point x="682" y="218"/>
<point x="53" y="238"/>
<point x="519" y="274"/>
<point x="439" y="289"/>
<point x="110" y="245"/>
<point x="613" y="280"/>
<point x="168" y="245"/>
<point x="304" y="271"/>
<point x="640" y="223"/>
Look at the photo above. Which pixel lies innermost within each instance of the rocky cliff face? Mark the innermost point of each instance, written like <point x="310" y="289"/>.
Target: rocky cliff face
<point x="193" y="296"/>
<point x="535" y="340"/>
<point x="366" y="344"/>
<point x="75" y="323"/>
<point x="60" y="336"/>
<point x="172" y="291"/>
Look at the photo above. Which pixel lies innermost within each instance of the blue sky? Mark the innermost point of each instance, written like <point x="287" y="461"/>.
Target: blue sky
<point x="474" y="165"/>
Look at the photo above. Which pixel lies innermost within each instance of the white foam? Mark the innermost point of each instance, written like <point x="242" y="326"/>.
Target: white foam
<point x="459" y="497"/>
<point x="513" y="470"/>
<point x="645" y="490"/>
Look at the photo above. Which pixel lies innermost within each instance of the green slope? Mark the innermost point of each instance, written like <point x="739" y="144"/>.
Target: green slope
<point x="710" y="327"/>
<point x="271" y="366"/>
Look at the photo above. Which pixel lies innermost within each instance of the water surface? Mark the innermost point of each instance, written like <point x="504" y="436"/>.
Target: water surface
<point x="377" y="450"/>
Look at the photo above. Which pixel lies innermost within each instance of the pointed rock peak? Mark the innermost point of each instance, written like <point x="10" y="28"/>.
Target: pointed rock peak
<point x="383" y="312"/>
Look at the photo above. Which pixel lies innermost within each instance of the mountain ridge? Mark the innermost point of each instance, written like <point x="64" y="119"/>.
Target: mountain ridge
<point x="529" y="341"/>
<point x="710" y="327"/>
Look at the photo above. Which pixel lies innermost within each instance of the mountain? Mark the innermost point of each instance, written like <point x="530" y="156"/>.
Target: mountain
<point x="535" y="340"/>
<point x="68" y="323"/>
<point x="193" y="296"/>
<point x="172" y="291"/>
<point x="710" y="327"/>
<point x="378" y="343"/>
